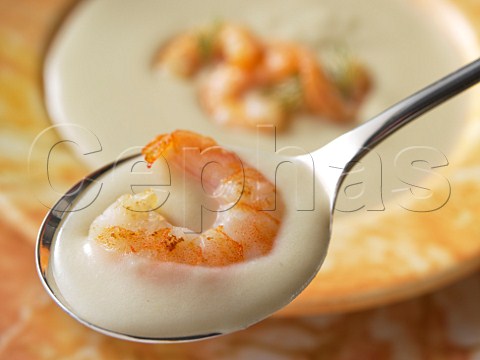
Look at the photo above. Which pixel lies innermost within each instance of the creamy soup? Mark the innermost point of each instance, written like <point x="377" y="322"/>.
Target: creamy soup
<point x="99" y="75"/>
<point x="140" y="297"/>
<point x="99" y="70"/>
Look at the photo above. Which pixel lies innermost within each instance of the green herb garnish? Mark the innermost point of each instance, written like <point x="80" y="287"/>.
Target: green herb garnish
<point x="288" y="93"/>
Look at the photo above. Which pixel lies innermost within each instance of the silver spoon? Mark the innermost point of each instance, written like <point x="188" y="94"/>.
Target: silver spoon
<point x="344" y="152"/>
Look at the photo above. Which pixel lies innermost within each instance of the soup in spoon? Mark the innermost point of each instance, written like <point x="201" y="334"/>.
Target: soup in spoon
<point x="217" y="247"/>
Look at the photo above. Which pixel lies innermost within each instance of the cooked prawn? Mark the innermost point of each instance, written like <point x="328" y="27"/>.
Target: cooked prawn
<point x="226" y="94"/>
<point x="186" y="53"/>
<point x="243" y="75"/>
<point x="181" y="56"/>
<point x="239" y="47"/>
<point x="322" y="96"/>
<point x="248" y="214"/>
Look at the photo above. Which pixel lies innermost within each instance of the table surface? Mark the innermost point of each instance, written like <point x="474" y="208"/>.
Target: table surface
<point x="443" y="324"/>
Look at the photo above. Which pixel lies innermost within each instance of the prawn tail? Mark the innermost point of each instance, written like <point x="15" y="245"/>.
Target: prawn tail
<point x="155" y="148"/>
<point x="176" y="141"/>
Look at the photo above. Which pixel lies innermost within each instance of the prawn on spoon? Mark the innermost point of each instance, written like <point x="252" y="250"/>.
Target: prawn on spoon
<point x="232" y="274"/>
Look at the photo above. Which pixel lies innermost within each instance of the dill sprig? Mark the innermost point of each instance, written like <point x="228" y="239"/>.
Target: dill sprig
<point x="343" y="69"/>
<point x="288" y="93"/>
<point x="207" y="40"/>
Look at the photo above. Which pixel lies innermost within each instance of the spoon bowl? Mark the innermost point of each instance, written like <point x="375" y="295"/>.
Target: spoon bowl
<point x="331" y="164"/>
<point x="43" y="252"/>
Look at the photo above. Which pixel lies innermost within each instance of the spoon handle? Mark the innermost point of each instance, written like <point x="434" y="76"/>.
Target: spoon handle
<point x="349" y="148"/>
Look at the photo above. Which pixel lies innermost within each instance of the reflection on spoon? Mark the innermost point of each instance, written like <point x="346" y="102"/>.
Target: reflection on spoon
<point x="208" y="301"/>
